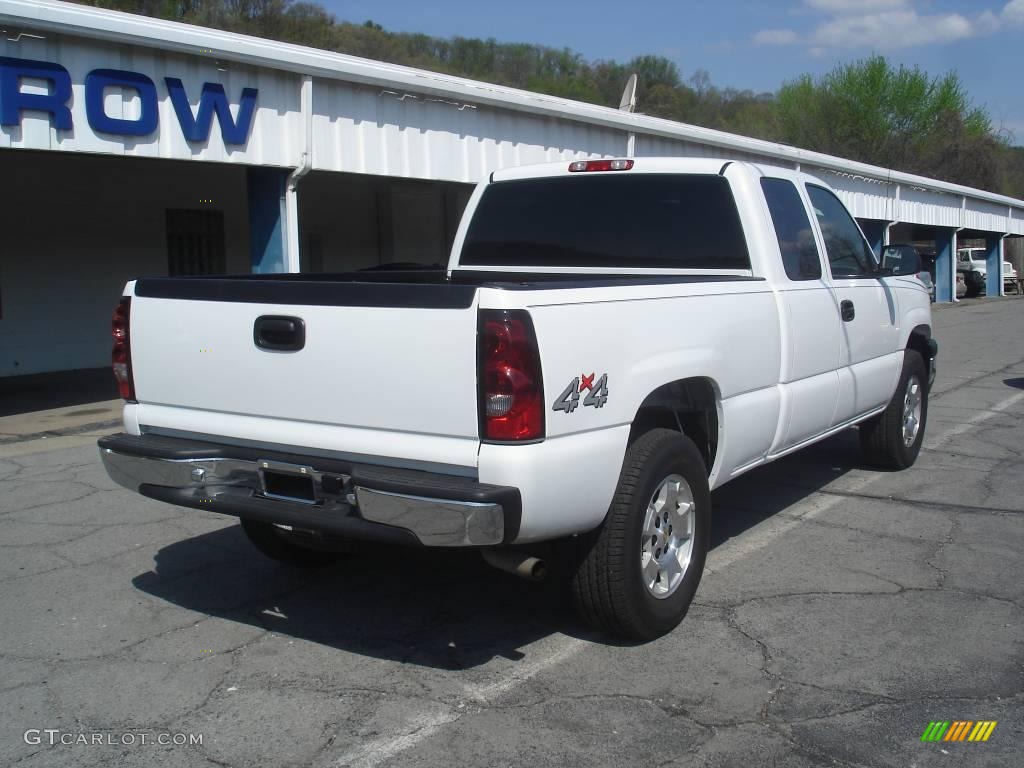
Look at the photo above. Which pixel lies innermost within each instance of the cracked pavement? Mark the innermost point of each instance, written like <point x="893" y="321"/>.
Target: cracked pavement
<point x="841" y="611"/>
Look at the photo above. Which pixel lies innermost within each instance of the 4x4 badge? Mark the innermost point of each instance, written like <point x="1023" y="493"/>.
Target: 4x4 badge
<point x="597" y="393"/>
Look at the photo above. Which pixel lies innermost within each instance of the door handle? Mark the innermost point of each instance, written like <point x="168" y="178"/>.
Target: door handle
<point x="846" y="310"/>
<point x="279" y="333"/>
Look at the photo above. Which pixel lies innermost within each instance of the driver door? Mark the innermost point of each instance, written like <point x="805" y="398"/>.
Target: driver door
<point x="867" y="306"/>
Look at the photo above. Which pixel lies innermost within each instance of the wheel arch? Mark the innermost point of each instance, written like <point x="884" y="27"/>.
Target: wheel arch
<point x="919" y="340"/>
<point x="691" y="406"/>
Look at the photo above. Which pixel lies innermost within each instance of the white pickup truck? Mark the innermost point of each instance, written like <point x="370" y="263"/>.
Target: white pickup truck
<point x="611" y="340"/>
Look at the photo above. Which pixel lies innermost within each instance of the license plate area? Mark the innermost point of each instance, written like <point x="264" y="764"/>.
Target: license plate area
<point x="288" y="482"/>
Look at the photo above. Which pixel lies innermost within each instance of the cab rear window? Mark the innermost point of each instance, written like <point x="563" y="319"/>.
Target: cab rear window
<point x="613" y="220"/>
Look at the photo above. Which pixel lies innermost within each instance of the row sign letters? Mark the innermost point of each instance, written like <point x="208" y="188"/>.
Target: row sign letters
<point x="195" y="127"/>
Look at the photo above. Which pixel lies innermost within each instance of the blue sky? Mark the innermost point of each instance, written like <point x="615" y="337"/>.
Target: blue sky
<point x="748" y="44"/>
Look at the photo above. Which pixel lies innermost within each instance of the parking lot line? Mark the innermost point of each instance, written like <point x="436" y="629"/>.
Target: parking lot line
<point x="425" y="724"/>
<point x="814" y="505"/>
<point x="979" y="417"/>
<point x="376" y="751"/>
<point x="766" y="532"/>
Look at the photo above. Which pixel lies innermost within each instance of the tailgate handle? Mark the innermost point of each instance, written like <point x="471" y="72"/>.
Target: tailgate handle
<point x="279" y="333"/>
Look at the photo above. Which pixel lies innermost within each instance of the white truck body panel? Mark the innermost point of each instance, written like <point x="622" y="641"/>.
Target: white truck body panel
<point x="397" y="386"/>
<point x="349" y="392"/>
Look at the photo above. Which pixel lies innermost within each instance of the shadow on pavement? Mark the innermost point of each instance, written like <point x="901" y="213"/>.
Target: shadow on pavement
<point x="431" y="608"/>
<point x="765" y="491"/>
<point x="1018" y="383"/>
<point x="43" y="391"/>
<point x="442" y="609"/>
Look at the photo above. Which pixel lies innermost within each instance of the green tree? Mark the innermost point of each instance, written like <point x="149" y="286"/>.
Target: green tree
<point x="897" y="117"/>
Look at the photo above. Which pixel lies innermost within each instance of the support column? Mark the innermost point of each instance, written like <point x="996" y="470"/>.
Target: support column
<point x="993" y="264"/>
<point x="267" y="247"/>
<point x="292" y="257"/>
<point x="876" y="231"/>
<point x="945" y="265"/>
<point x="292" y="262"/>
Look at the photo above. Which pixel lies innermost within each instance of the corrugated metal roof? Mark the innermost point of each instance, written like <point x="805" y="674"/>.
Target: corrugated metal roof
<point x="124" y="28"/>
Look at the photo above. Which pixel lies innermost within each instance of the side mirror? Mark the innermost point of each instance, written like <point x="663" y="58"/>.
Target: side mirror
<point x="900" y="260"/>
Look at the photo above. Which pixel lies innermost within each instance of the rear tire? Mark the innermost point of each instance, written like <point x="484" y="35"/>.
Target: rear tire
<point x="280" y="545"/>
<point x="659" y="516"/>
<point x="890" y="440"/>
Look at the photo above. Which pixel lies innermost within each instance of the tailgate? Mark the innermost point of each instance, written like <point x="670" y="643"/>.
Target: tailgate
<point x="376" y="358"/>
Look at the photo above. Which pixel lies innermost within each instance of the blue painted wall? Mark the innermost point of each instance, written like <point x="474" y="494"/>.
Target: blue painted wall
<point x="993" y="265"/>
<point x="266" y="219"/>
<point x="945" y="265"/>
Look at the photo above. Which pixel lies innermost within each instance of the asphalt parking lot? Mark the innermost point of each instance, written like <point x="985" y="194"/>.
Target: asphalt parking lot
<point x="841" y="612"/>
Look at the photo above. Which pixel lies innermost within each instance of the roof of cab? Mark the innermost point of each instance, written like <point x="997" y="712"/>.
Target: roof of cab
<point x="696" y="165"/>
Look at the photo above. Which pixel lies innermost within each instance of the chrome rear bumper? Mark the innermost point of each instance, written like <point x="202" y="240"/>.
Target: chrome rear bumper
<point x="354" y="501"/>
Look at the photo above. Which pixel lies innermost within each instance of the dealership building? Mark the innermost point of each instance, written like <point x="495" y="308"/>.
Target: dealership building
<point x="131" y="147"/>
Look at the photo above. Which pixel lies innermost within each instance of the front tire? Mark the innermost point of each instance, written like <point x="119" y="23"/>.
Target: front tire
<point x="892" y="439"/>
<point x="637" y="574"/>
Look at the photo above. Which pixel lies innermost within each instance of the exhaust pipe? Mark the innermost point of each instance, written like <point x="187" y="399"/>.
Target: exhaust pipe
<point x="518" y="563"/>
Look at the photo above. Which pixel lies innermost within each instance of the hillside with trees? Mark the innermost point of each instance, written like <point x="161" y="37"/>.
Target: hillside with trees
<point x="870" y="110"/>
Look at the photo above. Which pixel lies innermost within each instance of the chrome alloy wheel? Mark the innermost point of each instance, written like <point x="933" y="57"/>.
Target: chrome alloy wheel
<point x="911" y="411"/>
<point x="667" y="540"/>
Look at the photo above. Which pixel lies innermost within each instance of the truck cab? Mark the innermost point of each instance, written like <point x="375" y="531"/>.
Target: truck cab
<point x="972" y="259"/>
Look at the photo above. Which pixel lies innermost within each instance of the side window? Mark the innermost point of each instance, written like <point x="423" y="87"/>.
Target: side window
<point x="800" y="254"/>
<point x="849" y="254"/>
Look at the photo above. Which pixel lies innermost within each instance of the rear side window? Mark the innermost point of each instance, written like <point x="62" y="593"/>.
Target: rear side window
<point x="800" y="254"/>
<point x="613" y="220"/>
<point x="849" y="254"/>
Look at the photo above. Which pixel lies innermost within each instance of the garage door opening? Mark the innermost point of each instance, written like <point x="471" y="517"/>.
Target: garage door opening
<point x="78" y="227"/>
<point x="350" y="222"/>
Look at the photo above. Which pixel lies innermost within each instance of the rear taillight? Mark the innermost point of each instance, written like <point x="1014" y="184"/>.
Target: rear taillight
<point x="583" y="166"/>
<point x="511" y="389"/>
<point x="121" y="356"/>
